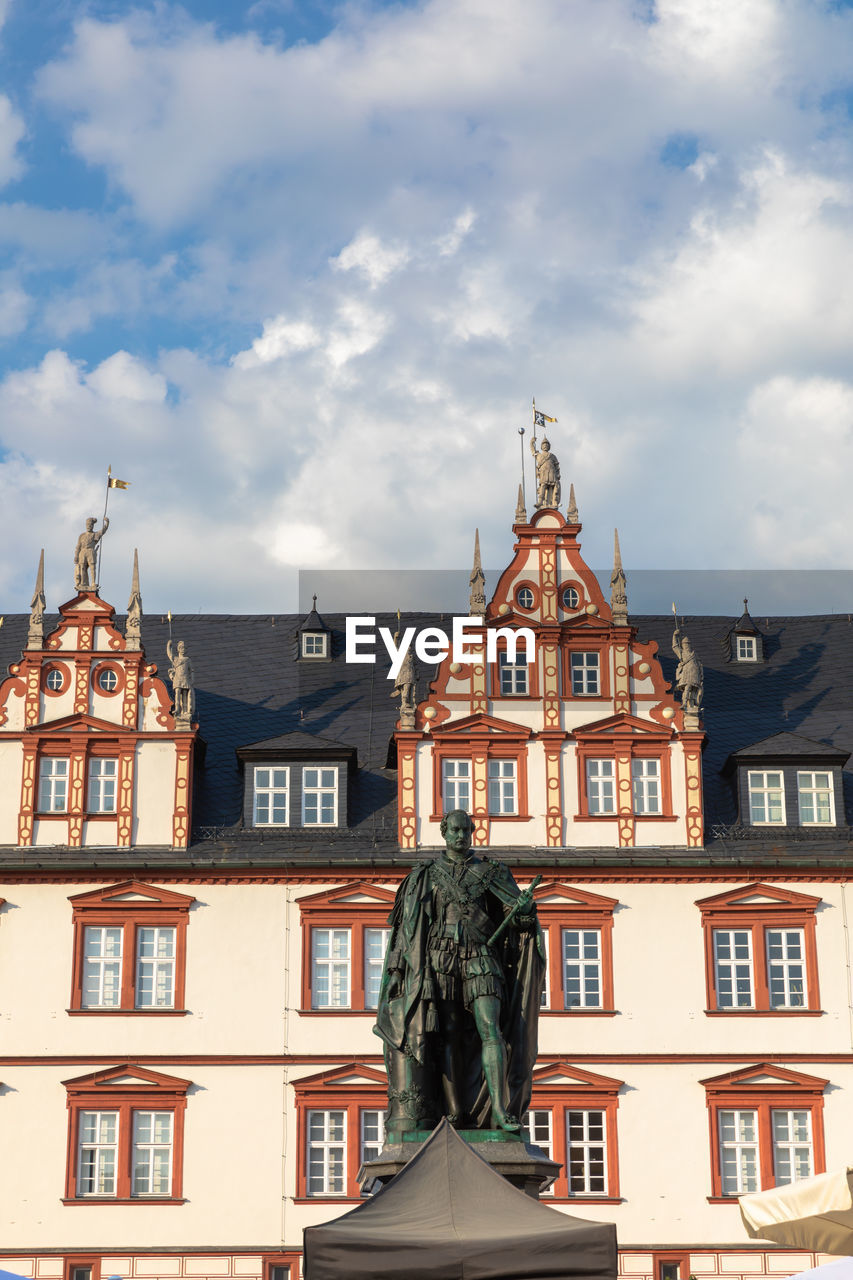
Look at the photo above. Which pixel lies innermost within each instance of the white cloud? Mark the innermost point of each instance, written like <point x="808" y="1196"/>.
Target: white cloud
<point x="375" y="260"/>
<point x="281" y="337"/>
<point x="797" y="434"/>
<point x="123" y="377"/>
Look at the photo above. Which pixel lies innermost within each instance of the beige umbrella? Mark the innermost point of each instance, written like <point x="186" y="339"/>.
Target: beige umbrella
<point x="815" y="1214"/>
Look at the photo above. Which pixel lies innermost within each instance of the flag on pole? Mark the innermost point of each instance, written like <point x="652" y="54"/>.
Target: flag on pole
<point x="118" y="484"/>
<point x="540" y="418"/>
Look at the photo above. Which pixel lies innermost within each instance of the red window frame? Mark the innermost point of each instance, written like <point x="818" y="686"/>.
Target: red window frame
<point x="57" y="693"/>
<point x="486" y="737"/>
<point x="90" y="1260"/>
<point x="105" y="664"/>
<point x="776" y="909"/>
<point x="560" y="1088"/>
<point x="624" y="736"/>
<point x="586" y="642"/>
<point x="335" y="909"/>
<point x="291" y="1260"/>
<point x="337" y="1091"/>
<point x="125" y="1089"/>
<point x="560" y="907"/>
<point x="113" y="908"/>
<point x="763" y="1088"/>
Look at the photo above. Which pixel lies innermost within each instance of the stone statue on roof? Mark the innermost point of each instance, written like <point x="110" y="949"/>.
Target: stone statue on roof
<point x="181" y="676"/>
<point x="689" y="676"/>
<point x="84" y="555"/>
<point x="547" y="474"/>
<point x="404" y="689"/>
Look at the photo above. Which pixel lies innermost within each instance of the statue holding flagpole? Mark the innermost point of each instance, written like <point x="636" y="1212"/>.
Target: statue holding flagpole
<point x="85" y="554"/>
<point x="547" y="466"/>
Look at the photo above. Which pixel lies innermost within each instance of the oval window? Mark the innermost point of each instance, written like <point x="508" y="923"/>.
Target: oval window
<point x="571" y="599"/>
<point x="524" y="598"/>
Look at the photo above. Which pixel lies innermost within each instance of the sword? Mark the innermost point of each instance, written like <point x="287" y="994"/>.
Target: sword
<point x="523" y="900"/>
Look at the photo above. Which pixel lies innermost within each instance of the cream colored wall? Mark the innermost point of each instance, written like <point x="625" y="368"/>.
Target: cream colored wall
<point x="49" y="831"/>
<point x="15" y="704"/>
<point x="232" y="1164"/>
<point x="11" y="761"/>
<point x="235" y="989"/>
<point x="105" y="708"/>
<point x="153" y="793"/>
<point x="58" y="706"/>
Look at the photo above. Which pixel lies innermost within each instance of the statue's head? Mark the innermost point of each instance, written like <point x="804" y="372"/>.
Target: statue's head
<point x="686" y="648"/>
<point x="181" y="647"/>
<point x="90" y="523"/>
<point x="457" y="830"/>
<point x="546" y="445"/>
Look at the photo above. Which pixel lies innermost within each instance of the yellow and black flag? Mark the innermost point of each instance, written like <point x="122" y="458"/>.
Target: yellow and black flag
<point x="113" y="483"/>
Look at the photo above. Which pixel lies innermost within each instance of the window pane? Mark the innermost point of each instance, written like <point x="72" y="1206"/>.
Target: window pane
<point x="101" y="967"/>
<point x="582" y="968"/>
<point x="586" y="1150"/>
<point x="733" y="968"/>
<point x="330" y="969"/>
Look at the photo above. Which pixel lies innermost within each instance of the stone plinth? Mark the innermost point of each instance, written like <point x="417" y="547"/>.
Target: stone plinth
<point x="523" y="1165"/>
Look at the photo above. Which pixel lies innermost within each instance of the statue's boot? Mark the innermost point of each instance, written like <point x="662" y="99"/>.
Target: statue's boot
<point x="451" y="1074"/>
<point x="495" y="1071"/>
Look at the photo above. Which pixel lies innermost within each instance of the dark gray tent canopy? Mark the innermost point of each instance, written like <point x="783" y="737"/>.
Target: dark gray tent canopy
<point x="449" y="1216"/>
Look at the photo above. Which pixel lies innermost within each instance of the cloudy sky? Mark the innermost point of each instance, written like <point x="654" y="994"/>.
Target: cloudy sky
<point x="295" y="269"/>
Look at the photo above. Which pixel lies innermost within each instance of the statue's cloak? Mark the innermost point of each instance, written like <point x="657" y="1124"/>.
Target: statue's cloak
<point x="407" y="1015"/>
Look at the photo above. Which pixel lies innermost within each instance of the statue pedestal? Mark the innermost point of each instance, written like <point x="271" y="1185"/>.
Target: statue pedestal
<point x="522" y="1164"/>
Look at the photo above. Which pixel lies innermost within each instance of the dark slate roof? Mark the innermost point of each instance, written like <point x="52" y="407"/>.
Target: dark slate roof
<point x="783" y="746"/>
<point x="298" y="741"/>
<point x="251" y="690"/>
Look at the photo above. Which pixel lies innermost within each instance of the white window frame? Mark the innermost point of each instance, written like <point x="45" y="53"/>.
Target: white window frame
<point x="646" y="785"/>
<point x="102" y="969"/>
<point x="271" y="791"/>
<point x="453" y="782"/>
<point x="103" y="1149"/>
<point x="513" y="679"/>
<point x="147" y="1155"/>
<point x="545" y="1002"/>
<point x="732" y="969"/>
<point x="746" y="649"/>
<point x="538" y="1124"/>
<point x="598" y="800"/>
<point x="574" y="600"/>
<point x="53" y="784"/>
<point x="585" y="673"/>
<point x="740" y="1145"/>
<point x="582" y="973"/>
<point x="787" y="1148"/>
<point x="307" y="651"/>
<point x="808" y="787"/>
<point x="103" y="784"/>
<point x="366" y="1146"/>
<point x="106" y="679"/>
<point x="790" y="968"/>
<point x="373" y="965"/>
<point x="320" y="790"/>
<point x="160" y="966"/>
<point x="589" y="1147"/>
<point x="334" y="968"/>
<point x="55" y="680"/>
<point x="328" y="1147"/>
<point x="503" y="787"/>
<point x="759" y="789"/>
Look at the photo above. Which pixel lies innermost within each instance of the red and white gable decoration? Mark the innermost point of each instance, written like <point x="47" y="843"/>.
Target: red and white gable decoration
<point x="89" y="752"/>
<point x="594" y="692"/>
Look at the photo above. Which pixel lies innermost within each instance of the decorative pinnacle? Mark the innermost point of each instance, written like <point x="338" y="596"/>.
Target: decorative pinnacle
<point x="520" y="512"/>
<point x="133" y="626"/>
<point x="573" y="516"/>
<point x="35" y="635"/>
<point x="477" y="581"/>
<point x="618" y="586"/>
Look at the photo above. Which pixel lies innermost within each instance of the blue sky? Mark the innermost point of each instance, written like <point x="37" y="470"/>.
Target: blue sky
<point x="296" y="269"/>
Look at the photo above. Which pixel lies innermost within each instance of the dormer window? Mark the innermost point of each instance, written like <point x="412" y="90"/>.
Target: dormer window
<point x="766" y="798"/>
<point x="789" y="780"/>
<point x="816" y="799"/>
<point x="746" y="649"/>
<point x="315" y="644"/>
<point x="315" y="638"/>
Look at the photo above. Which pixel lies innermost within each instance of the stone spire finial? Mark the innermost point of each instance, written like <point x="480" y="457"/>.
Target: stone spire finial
<point x="618" y="586"/>
<point x="520" y="512"/>
<point x="35" y="635"/>
<point x="477" y="582"/>
<point x="133" y="626"/>
<point x="573" y="516"/>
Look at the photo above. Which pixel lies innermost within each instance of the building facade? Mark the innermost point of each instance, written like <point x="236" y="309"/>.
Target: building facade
<point x="197" y="869"/>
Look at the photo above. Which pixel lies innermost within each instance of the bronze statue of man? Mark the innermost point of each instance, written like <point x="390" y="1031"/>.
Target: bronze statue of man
<point x="461" y="991"/>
